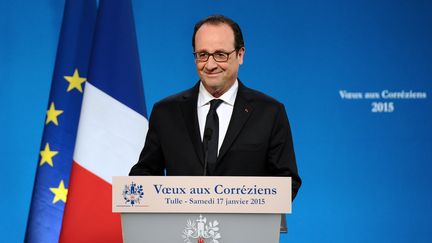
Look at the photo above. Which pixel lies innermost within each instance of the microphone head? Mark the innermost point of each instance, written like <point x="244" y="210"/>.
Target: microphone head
<point x="208" y="132"/>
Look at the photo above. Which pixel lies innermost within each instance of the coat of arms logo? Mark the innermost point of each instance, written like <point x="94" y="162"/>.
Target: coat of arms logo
<point x="201" y="231"/>
<point x="133" y="193"/>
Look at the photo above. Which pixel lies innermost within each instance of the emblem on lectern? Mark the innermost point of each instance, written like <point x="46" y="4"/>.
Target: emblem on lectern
<point x="201" y="231"/>
<point x="133" y="193"/>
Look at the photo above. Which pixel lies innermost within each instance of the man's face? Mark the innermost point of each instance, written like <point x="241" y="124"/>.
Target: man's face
<point x="217" y="77"/>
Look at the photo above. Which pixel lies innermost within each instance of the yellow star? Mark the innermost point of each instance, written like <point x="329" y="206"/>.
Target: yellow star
<point x="60" y="192"/>
<point x="75" y="81"/>
<point x="47" y="155"/>
<point x="52" y="114"/>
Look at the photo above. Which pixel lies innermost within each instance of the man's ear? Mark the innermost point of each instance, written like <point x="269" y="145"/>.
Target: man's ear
<point x="240" y="55"/>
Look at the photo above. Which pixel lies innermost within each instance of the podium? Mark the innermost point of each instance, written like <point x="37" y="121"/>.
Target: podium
<point x="201" y="209"/>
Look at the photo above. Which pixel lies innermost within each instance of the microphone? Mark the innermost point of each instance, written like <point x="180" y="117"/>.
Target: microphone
<point x="208" y="132"/>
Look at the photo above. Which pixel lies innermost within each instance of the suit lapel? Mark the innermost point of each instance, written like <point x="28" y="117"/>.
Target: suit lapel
<point x="241" y="113"/>
<point x="190" y="117"/>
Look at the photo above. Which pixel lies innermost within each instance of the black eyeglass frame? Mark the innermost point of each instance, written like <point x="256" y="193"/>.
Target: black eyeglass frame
<point x="213" y="55"/>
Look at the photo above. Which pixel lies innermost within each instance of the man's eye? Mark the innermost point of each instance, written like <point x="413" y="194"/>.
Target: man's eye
<point x="220" y="55"/>
<point x="202" y="54"/>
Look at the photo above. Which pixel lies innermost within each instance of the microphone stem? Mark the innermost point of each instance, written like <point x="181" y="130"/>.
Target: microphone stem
<point x="205" y="156"/>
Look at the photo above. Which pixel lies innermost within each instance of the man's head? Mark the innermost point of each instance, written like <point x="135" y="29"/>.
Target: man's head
<point x="219" y="49"/>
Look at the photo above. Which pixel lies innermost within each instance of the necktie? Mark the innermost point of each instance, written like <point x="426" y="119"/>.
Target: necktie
<point x="212" y="124"/>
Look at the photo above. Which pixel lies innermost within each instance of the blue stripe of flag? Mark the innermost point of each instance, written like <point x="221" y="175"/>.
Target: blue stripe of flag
<point x="115" y="65"/>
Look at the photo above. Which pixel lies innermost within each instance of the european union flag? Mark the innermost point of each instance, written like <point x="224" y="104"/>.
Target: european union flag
<point x="58" y="141"/>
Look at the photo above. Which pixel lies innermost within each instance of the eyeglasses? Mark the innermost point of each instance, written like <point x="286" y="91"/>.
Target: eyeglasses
<point x="218" y="56"/>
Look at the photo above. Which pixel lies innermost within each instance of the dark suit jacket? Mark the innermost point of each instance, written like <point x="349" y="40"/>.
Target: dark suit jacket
<point x="257" y="143"/>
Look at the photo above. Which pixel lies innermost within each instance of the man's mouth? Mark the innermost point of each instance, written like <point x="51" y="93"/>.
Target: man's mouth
<point x="213" y="74"/>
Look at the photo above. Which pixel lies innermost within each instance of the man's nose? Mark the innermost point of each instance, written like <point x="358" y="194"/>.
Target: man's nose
<point x="211" y="63"/>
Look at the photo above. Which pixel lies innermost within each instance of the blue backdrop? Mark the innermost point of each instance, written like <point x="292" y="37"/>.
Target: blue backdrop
<point x="355" y="77"/>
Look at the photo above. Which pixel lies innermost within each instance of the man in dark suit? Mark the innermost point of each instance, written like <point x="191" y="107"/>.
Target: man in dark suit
<point x="219" y="127"/>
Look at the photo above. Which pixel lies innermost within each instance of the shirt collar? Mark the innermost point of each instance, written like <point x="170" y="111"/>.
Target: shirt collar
<point x="204" y="97"/>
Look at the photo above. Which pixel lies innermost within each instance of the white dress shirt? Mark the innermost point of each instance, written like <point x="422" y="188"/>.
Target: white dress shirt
<point x="224" y="110"/>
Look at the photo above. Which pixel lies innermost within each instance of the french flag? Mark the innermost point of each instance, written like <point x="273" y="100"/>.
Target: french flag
<point x="112" y="127"/>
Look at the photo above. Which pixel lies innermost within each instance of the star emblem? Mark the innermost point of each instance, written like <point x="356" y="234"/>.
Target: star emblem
<point x="75" y="81"/>
<point x="52" y="114"/>
<point x="46" y="155"/>
<point x="60" y="192"/>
